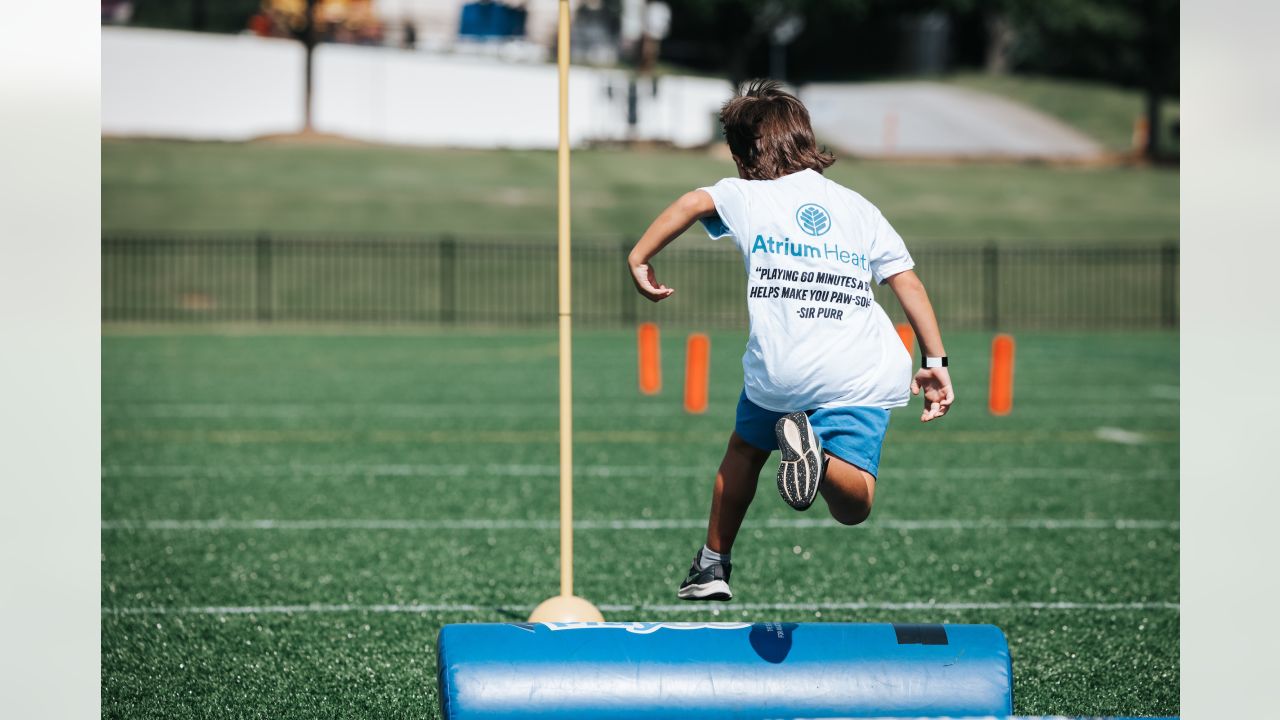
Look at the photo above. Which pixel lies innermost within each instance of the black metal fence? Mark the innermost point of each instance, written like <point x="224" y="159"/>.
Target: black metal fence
<point x="457" y="281"/>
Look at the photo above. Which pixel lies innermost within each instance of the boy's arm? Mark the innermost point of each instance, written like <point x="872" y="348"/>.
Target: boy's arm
<point x="667" y="227"/>
<point x="935" y="382"/>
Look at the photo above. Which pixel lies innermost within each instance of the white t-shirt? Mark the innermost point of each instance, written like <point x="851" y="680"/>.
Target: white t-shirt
<point x="812" y="248"/>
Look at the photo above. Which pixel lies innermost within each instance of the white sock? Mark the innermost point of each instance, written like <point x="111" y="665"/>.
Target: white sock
<point x="710" y="557"/>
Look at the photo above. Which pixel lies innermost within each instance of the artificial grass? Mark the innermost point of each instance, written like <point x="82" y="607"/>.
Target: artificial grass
<point x="173" y="188"/>
<point x="334" y="620"/>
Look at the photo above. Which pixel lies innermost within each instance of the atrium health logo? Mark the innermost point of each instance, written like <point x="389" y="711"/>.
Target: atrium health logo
<point x="813" y="219"/>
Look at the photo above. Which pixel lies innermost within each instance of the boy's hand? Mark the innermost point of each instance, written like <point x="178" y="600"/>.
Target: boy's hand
<point x="668" y="226"/>
<point x="647" y="283"/>
<point x="938" y="395"/>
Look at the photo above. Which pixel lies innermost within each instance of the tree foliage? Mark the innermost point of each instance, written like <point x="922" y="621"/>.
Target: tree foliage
<point x="226" y="16"/>
<point x="1107" y="40"/>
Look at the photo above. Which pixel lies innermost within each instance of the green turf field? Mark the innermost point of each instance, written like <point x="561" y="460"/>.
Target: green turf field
<point x="174" y="187"/>
<point x="288" y="519"/>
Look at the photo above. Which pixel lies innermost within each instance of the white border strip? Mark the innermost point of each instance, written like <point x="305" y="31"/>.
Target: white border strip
<point x="708" y="471"/>
<point x="714" y="609"/>
<point x="662" y="524"/>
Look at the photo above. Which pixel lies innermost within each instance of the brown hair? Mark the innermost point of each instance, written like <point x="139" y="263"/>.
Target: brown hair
<point x="769" y="133"/>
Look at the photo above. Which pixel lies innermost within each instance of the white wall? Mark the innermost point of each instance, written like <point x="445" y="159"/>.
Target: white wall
<point x="411" y="98"/>
<point x="685" y="111"/>
<point x="187" y="85"/>
<point x="157" y="83"/>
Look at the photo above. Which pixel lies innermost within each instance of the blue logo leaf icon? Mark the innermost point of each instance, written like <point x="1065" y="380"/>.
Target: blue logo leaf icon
<point x="813" y="219"/>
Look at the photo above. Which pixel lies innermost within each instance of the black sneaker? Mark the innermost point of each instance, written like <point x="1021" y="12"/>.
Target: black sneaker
<point x="801" y="468"/>
<point x="709" y="584"/>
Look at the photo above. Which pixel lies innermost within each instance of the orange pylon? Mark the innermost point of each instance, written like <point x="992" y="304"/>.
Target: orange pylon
<point x="907" y="335"/>
<point x="1000" y="397"/>
<point x="697" y="373"/>
<point x="650" y="359"/>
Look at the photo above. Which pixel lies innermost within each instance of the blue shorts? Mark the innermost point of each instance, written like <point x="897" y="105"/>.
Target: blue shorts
<point x="853" y="434"/>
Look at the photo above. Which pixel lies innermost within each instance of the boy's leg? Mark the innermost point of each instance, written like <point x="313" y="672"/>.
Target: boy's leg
<point x="849" y="491"/>
<point x="735" y="488"/>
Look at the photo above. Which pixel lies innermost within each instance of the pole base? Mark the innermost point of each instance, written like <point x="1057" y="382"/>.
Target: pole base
<point x="566" y="608"/>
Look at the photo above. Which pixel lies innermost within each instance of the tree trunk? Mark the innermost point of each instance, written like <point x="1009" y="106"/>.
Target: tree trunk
<point x="198" y="16"/>
<point x="1000" y="37"/>
<point x="1155" y="75"/>
<point x="308" y="42"/>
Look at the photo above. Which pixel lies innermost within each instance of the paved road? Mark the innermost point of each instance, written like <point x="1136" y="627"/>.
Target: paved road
<point x="924" y="119"/>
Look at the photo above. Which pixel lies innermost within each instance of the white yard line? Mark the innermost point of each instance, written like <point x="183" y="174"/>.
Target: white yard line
<point x="637" y="524"/>
<point x="1121" y="436"/>
<point x="1161" y="405"/>
<point x="903" y="606"/>
<point x="603" y="471"/>
<point x="297" y="411"/>
<point x="714" y="609"/>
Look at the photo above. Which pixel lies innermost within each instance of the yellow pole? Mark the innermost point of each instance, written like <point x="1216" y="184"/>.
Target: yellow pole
<point x="566" y="317"/>
<point x="566" y="607"/>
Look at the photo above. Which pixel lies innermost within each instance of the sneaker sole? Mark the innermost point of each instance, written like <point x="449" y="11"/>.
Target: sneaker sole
<point x="801" y="466"/>
<point x="714" y="590"/>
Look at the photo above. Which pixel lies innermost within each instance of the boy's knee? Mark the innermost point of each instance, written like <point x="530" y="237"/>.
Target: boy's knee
<point x="852" y="513"/>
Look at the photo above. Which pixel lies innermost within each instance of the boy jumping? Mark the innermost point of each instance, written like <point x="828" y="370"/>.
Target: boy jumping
<point x="823" y="363"/>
